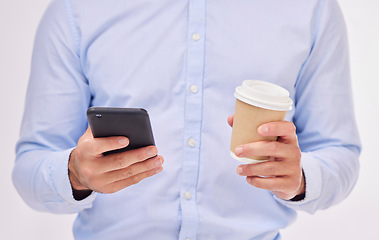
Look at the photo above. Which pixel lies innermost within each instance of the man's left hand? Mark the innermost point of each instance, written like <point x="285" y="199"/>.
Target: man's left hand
<point x="282" y="173"/>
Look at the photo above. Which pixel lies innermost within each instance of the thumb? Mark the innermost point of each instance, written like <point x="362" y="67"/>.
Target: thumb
<point x="230" y="120"/>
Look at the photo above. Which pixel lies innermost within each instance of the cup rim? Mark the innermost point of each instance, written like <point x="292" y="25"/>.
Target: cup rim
<point x="264" y="95"/>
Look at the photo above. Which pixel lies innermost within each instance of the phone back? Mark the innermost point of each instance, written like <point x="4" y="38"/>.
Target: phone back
<point x="133" y="123"/>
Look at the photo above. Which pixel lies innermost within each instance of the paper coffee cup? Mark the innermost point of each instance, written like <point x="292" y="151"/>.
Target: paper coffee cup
<point x="257" y="102"/>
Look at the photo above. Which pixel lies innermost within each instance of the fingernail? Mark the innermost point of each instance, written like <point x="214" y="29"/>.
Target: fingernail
<point x="123" y="141"/>
<point x="238" y="150"/>
<point x="159" y="170"/>
<point x="239" y="170"/>
<point x="263" y="129"/>
<point x="158" y="163"/>
<point x="151" y="152"/>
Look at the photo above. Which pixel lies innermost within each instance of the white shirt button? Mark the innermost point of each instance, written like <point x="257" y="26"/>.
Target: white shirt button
<point x="188" y="239"/>
<point x="196" y="36"/>
<point x="191" y="142"/>
<point x="188" y="195"/>
<point x="194" y="88"/>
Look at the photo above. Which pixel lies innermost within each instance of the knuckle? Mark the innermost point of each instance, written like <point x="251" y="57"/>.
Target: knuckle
<point x="293" y="127"/>
<point x="118" y="160"/>
<point x="270" y="168"/>
<point x="274" y="147"/>
<point x="85" y="141"/>
<point x="128" y="172"/>
<point x="297" y="153"/>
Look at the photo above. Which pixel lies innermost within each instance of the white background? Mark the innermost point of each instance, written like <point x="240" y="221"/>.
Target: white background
<point x="355" y="218"/>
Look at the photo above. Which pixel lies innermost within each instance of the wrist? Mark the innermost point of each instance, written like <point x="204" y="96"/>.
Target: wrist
<point x="302" y="184"/>
<point x="72" y="175"/>
<point x="300" y="195"/>
<point x="79" y="192"/>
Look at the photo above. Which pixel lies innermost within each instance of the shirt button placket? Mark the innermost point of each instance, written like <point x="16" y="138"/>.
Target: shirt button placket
<point x="192" y="118"/>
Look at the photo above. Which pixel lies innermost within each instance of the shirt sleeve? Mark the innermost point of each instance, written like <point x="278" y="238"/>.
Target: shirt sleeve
<point x="324" y="115"/>
<point x="54" y="118"/>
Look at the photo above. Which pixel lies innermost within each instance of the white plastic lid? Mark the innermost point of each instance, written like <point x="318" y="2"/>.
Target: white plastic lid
<point x="264" y="95"/>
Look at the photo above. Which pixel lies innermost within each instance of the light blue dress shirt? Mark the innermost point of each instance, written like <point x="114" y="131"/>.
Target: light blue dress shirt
<point x="181" y="61"/>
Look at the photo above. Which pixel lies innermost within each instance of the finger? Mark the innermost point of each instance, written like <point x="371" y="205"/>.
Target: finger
<point x="231" y="120"/>
<point x="132" y="170"/>
<point x="284" y="129"/>
<point x="97" y="146"/>
<point x="117" y="186"/>
<point x="125" y="159"/>
<point x="268" y="148"/>
<point x="269" y="183"/>
<point x="272" y="168"/>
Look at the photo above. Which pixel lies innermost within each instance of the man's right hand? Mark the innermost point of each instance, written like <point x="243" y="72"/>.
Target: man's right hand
<point x="89" y="169"/>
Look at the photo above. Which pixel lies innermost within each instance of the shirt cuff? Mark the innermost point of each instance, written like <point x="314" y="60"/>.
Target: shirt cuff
<point x="313" y="183"/>
<point x="61" y="182"/>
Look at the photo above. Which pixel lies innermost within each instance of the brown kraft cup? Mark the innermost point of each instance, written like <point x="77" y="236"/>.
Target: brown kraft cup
<point x="257" y="102"/>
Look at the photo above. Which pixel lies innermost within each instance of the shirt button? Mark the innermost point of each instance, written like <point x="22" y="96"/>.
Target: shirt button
<point x="191" y="142"/>
<point x="188" y="195"/>
<point x="188" y="239"/>
<point x="194" y="88"/>
<point x="196" y="36"/>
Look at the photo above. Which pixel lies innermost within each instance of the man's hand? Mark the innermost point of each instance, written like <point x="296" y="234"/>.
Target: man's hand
<point x="90" y="170"/>
<point x="282" y="173"/>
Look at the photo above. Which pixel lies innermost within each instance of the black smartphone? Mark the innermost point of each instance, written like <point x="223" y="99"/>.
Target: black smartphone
<point x="133" y="123"/>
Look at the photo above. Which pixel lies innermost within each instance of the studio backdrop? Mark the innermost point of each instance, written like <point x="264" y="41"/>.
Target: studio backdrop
<point x="355" y="218"/>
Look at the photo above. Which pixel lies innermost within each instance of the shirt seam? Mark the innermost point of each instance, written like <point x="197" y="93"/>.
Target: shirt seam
<point x="315" y="31"/>
<point x="73" y="26"/>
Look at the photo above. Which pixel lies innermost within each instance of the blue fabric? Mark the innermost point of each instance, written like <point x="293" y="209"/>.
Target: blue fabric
<point x="145" y="54"/>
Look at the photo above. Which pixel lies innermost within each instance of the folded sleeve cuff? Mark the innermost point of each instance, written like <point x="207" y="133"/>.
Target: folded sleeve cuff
<point x="313" y="184"/>
<point x="61" y="182"/>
